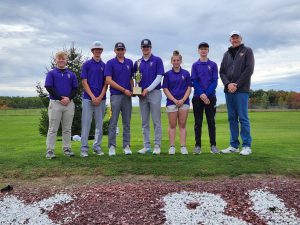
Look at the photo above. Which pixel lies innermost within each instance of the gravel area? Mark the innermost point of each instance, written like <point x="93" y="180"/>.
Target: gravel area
<point x="223" y="201"/>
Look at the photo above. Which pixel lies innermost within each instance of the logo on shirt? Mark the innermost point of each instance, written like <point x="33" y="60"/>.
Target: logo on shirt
<point x="182" y="77"/>
<point x="69" y="76"/>
<point x="209" y="67"/>
<point x="241" y="54"/>
<point x="151" y="63"/>
<point x="101" y="68"/>
<point x="127" y="67"/>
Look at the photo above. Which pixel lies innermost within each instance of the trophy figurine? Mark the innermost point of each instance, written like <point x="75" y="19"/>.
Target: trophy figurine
<point x="137" y="90"/>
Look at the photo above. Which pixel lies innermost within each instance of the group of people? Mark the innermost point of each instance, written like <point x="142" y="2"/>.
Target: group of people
<point x="236" y="69"/>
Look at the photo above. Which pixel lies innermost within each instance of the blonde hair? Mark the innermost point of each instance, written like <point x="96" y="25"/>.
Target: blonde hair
<point x="176" y="53"/>
<point x="61" y="54"/>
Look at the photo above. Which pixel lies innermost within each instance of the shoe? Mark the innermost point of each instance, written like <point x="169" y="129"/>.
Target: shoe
<point x="84" y="154"/>
<point x="246" y="151"/>
<point x="230" y="149"/>
<point x="112" y="150"/>
<point x="98" y="152"/>
<point x="172" y="150"/>
<point x="197" y="150"/>
<point x="50" y="155"/>
<point x="156" y="150"/>
<point x="144" y="150"/>
<point x="214" y="150"/>
<point x="68" y="152"/>
<point x="127" y="150"/>
<point x="183" y="150"/>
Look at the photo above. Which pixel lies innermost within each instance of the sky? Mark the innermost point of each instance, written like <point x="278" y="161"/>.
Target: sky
<point x="32" y="31"/>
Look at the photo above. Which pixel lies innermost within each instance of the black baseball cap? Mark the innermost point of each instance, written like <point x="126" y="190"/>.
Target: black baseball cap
<point x="203" y="44"/>
<point x="119" y="45"/>
<point x="145" y="43"/>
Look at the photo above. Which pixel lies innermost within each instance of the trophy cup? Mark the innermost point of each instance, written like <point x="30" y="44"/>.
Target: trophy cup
<point x="137" y="90"/>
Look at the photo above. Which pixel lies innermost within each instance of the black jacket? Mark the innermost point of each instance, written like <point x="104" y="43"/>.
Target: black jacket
<point x="238" y="69"/>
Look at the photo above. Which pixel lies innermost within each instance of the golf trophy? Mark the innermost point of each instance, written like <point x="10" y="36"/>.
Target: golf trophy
<point x="137" y="90"/>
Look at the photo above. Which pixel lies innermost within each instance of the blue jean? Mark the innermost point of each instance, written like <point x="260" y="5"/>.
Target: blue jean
<point x="237" y="109"/>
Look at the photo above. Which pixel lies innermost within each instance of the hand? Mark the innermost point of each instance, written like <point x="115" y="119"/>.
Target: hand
<point x="145" y="92"/>
<point x="94" y="100"/>
<point x="232" y="87"/>
<point x="180" y="102"/>
<point x="127" y="93"/>
<point x="205" y="99"/>
<point x="65" y="100"/>
<point x="97" y="101"/>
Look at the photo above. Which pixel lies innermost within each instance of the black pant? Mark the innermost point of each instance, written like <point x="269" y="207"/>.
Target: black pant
<point x="210" y="112"/>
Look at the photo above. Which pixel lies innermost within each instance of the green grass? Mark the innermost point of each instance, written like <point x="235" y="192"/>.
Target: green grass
<point x="276" y="150"/>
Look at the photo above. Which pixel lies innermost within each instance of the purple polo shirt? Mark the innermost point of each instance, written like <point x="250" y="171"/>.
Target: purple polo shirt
<point x="206" y="76"/>
<point x="177" y="83"/>
<point x="150" y="69"/>
<point x="63" y="82"/>
<point x="121" y="73"/>
<point x="93" y="71"/>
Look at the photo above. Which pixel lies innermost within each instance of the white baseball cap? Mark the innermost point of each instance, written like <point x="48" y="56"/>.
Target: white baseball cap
<point x="97" y="44"/>
<point x="235" y="32"/>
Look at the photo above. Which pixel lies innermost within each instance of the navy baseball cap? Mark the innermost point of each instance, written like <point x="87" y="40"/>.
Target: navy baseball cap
<point x="203" y="44"/>
<point x="119" y="45"/>
<point x="146" y="43"/>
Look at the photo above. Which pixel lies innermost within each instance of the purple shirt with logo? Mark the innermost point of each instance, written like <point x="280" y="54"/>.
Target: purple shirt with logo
<point x="121" y="73"/>
<point x="62" y="81"/>
<point x="93" y="71"/>
<point x="177" y="83"/>
<point x="150" y="69"/>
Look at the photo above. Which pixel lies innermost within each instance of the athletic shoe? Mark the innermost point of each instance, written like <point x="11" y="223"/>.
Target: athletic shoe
<point x="183" y="150"/>
<point x="127" y="150"/>
<point x="112" y="150"/>
<point x="68" y="152"/>
<point x="246" y="151"/>
<point x="172" y="150"/>
<point x="98" y="152"/>
<point x="84" y="154"/>
<point x="50" y="155"/>
<point x="144" y="150"/>
<point x="156" y="150"/>
<point x="197" y="150"/>
<point x="230" y="149"/>
<point x="214" y="150"/>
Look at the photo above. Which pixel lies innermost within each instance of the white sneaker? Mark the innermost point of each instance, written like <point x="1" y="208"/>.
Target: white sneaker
<point x="156" y="150"/>
<point x="127" y="150"/>
<point x="246" y="151"/>
<point x="84" y="154"/>
<point x="230" y="149"/>
<point x="183" y="150"/>
<point x="172" y="150"/>
<point x="144" y="150"/>
<point x="112" y="150"/>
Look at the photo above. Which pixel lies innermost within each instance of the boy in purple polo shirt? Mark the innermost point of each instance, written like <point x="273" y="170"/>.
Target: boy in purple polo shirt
<point x="152" y="70"/>
<point x="177" y="88"/>
<point x="62" y="85"/>
<point x="94" y="98"/>
<point x="119" y="73"/>
<point x="205" y="81"/>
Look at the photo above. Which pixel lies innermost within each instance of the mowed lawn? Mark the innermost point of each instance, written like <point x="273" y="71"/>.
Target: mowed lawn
<point x="276" y="150"/>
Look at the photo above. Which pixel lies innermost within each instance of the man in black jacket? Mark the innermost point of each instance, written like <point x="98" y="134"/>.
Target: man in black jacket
<point x="236" y="69"/>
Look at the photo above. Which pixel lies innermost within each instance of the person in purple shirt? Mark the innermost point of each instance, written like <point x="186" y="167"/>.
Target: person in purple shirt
<point x="177" y="88"/>
<point x="94" y="98"/>
<point x="62" y="85"/>
<point x="152" y="70"/>
<point x="119" y="73"/>
<point x="205" y="81"/>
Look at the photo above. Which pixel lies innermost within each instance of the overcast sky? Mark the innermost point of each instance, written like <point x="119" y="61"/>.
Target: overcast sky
<point x="31" y="31"/>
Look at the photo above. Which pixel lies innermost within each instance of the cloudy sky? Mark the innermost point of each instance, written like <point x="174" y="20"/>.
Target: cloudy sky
<point x="31" y="31"/>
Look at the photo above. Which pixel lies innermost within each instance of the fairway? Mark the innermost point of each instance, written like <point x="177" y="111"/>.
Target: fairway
<point x="276" y="144"/>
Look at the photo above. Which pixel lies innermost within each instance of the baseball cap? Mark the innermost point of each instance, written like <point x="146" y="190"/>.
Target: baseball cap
<point x="145" y="43"/>
<point x="235" y="32"/>
<point x="203" y="44"/>
<point x="119" y="45"/>
<point x="97" y="44"/>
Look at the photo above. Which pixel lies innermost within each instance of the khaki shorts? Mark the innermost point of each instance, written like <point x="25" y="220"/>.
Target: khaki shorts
<point x="174" y="108"/>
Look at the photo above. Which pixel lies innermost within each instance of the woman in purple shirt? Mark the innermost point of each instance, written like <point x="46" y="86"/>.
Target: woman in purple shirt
<point x="177" y="88"/>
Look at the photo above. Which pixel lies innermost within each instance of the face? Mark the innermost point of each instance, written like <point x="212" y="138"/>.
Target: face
<point x="146" y="50"/>
<point x="97" y="52"/>
<point x="176" y="61"/>
<point x="203" y="51"/>
<point x="235" y="40"/>
<point x="120" y="52"/>
<point x="61" y="62"/>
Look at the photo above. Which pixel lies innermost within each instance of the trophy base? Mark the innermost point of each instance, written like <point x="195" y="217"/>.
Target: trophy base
<point x="137" y="91"/>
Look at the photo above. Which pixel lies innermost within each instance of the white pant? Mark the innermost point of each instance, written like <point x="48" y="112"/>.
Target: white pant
<point x="59" y="113"/>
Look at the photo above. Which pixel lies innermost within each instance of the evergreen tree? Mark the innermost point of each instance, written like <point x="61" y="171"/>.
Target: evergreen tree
<point x="265" y="102"/>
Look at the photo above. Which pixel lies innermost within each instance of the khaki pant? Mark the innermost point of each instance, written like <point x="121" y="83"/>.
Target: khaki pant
<point x="59" y="113"/>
